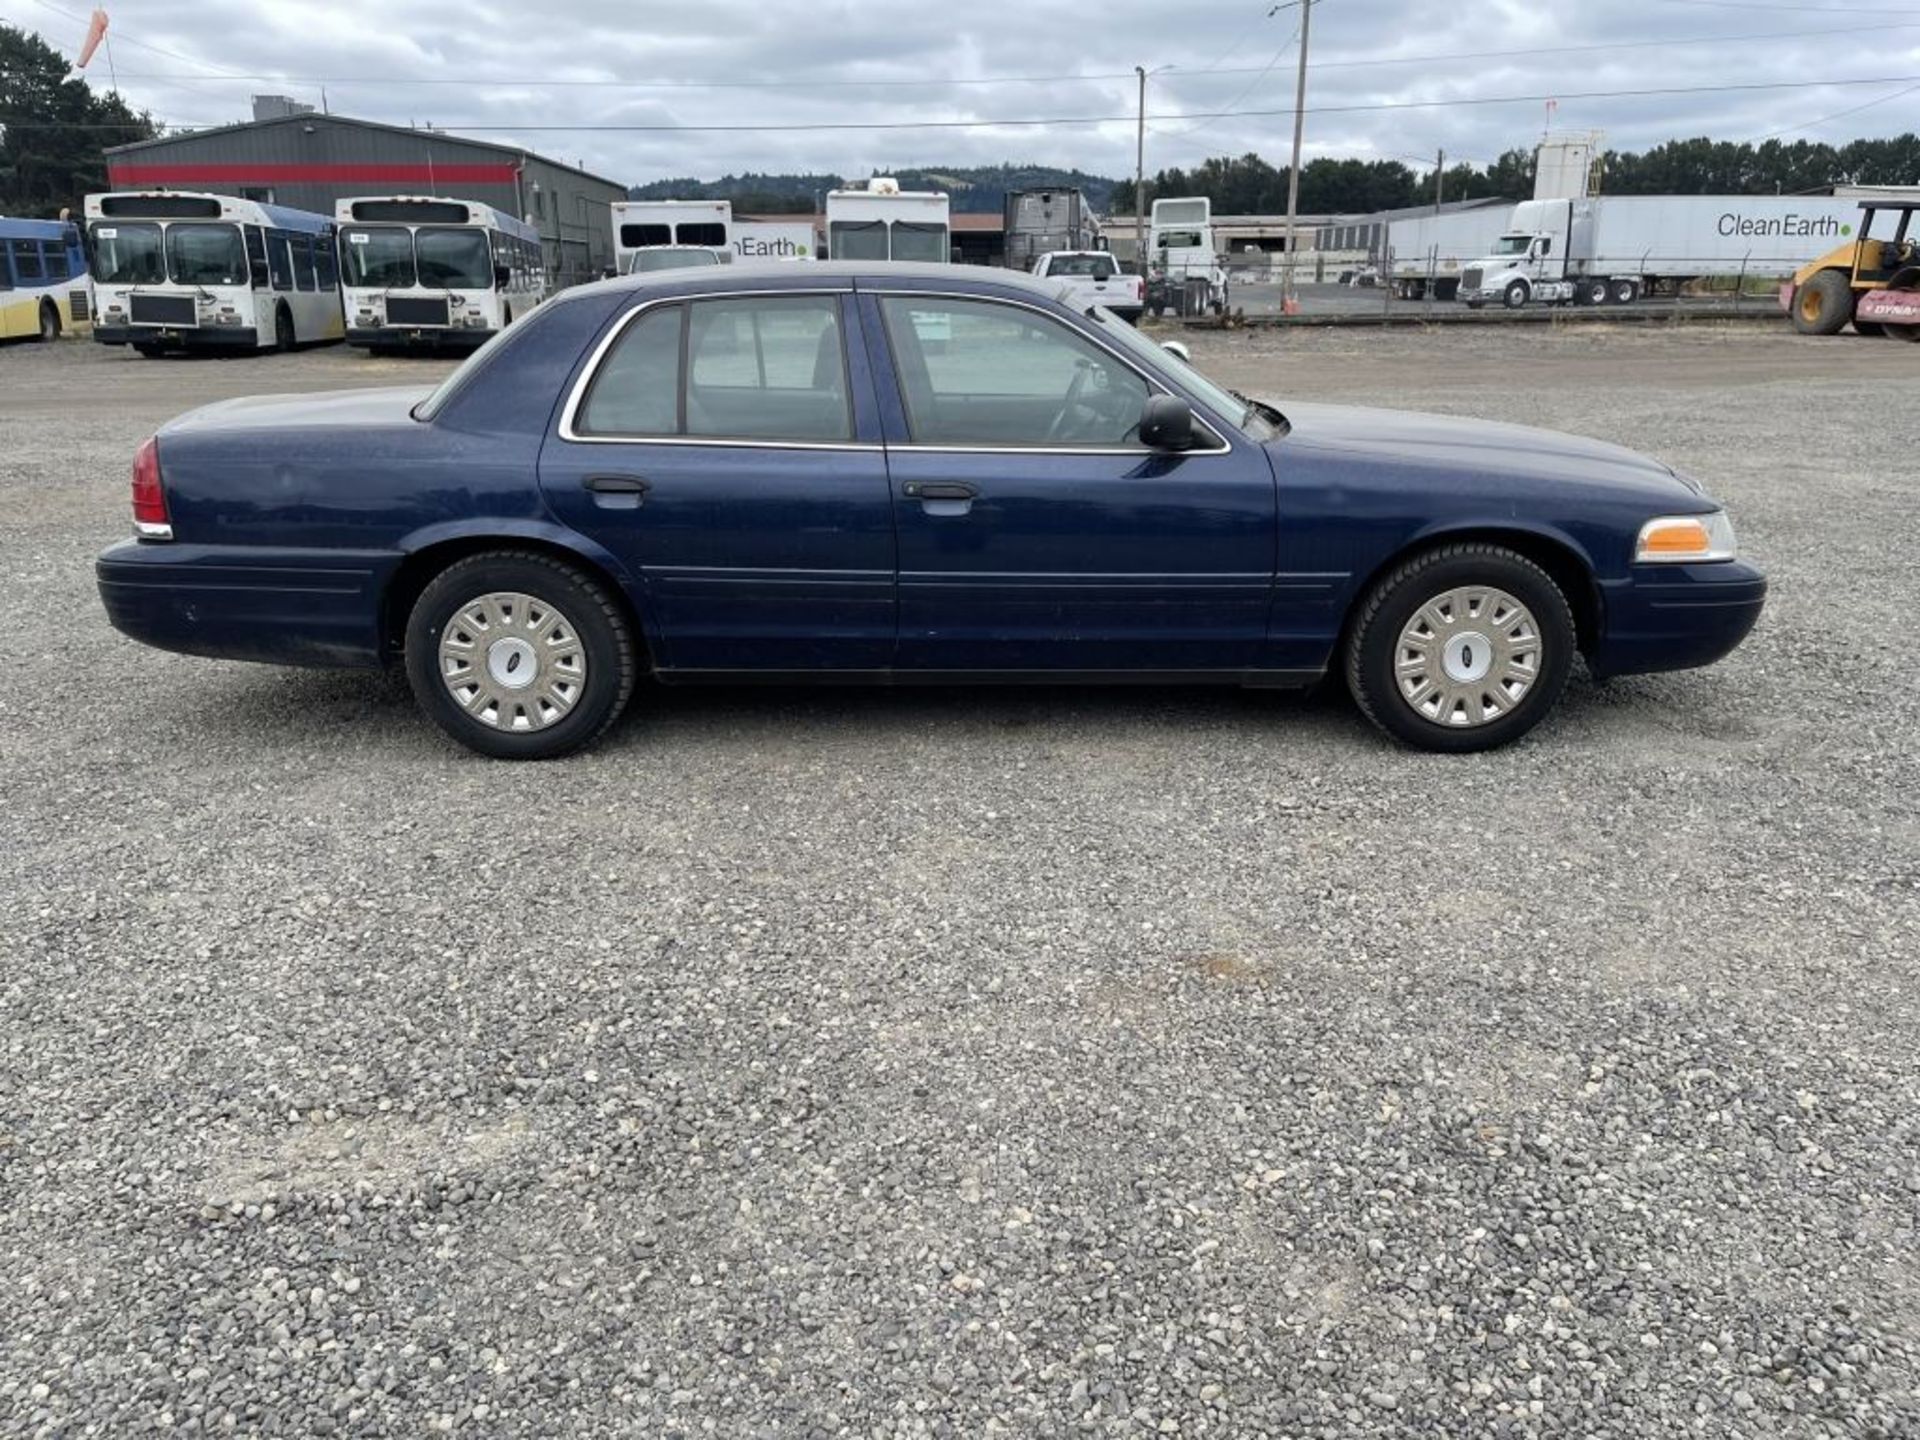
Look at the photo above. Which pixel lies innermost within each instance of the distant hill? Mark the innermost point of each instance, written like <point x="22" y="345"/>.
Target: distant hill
<point x="976" y="189"/>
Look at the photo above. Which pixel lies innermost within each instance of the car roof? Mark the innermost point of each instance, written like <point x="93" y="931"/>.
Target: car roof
<point x="837" y="274"/>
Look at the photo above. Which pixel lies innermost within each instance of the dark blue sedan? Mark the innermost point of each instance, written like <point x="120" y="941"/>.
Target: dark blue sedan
<point x="901" y="473"/>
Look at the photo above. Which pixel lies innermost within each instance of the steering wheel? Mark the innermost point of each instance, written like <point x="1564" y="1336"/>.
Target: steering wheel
<point x="1082" y="370"/>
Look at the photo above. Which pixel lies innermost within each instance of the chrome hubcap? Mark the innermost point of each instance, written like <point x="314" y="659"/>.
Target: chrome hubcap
<point x="1468" y="656"/>
<point x="512" y="661"/>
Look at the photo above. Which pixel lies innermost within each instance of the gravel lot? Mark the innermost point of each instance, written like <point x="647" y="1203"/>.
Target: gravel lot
<point x="987" y="1063"/>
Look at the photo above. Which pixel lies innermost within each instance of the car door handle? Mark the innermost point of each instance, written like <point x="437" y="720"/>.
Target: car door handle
<point x="939" y="490"/>
<point x="616" y="492"/>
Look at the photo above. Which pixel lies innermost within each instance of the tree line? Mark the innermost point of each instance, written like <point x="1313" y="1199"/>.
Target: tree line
<point x="53" y="130"/>
<point x="1248" y="185"/>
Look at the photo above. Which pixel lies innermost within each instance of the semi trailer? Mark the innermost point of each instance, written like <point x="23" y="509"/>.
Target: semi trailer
<point x="1038" y="222"/>
<point x="1425" y="254"/>
<point x="1611" y="250"/>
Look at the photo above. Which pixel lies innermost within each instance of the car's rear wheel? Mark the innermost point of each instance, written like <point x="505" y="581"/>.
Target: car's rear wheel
<point x="1466" y="647"/>
<point x="519" y="655"/>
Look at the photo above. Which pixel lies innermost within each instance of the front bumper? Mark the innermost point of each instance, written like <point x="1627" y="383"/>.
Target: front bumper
<point x="1676" y="617"/>
<point x="418" y="338"/>
<point x="188" y="337"/>
<point x="280" y="606"/>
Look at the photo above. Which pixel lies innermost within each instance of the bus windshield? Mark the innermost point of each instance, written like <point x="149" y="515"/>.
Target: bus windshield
<point x="207" y="255"/>
<point x="454" y="259"/>
<point x="378" y="257"/>
<point x="129" y="254"/>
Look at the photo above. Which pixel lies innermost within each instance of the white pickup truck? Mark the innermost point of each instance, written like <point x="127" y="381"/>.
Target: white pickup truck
<point x="1094" y="277"/>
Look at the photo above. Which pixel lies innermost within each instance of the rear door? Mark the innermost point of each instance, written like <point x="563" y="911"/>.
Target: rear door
<point x="1036" y="534"/>
<point x="727" y="449"/>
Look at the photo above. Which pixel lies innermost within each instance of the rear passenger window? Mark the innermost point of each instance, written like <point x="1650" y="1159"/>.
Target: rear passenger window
<point x="26" y="260"/>
<point x="303" y="262"/>
<point x="761" y="368"/>
<point x="767" y="368"/>
<point x="280" y="261"/>
<point x="636" y="390"/>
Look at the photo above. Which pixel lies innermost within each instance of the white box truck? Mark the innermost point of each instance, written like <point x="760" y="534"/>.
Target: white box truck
<point x="1614" y="249"/>
<point x="884" y="222"/>
<point x="649" y="224"/>
<point x="1426" y="253"/>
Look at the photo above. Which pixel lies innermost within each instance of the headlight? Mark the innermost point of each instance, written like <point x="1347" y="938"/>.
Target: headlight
<point x="1685" y="539"/>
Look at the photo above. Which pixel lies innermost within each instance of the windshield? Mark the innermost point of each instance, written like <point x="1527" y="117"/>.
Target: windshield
<point x="207" y="255"/>
<point x="1181" y="375"/>
<point x="645" y="262"/>
<point x="379" y="257"/>
<point x="128" y="255"/>
<point x="1180" y="240"/>
<point x="454" y="259"/>
<point x="1512" y="244"/>
<point x="1101" y="267"/>
<point x="919" y="242"/>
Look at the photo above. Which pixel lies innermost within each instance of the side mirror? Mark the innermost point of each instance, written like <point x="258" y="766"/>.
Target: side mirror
<point x="1166" y="423"/>
<point x="502" y="277"/>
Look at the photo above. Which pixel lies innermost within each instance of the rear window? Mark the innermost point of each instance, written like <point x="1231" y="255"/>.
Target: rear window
<point x="1101" y="267"/>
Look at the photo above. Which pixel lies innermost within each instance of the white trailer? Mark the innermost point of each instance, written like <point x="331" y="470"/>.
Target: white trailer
<point x="1424" y="254"/>
<point x="755" y="240"/>
<point x="884" y="222"/>
<point x="647" y="224"/>
<point x="1614" y="249"/>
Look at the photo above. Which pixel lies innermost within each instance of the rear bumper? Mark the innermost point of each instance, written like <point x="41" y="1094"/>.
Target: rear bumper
<point x="418" y="338"/>
<point x="283" y="607"/>
<point x="1676" y="617"/>
<point x="212" y="337"/>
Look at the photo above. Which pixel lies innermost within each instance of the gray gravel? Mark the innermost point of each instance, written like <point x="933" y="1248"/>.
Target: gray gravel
<point x="971" y="1064"/>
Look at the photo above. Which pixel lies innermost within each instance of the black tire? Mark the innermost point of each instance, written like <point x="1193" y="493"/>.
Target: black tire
<point x="1824" y="304"/>
<point x="1623" y="292"/>
<point x="1373" y="642"/>
<point x="583" y="601"/>
<point x="1476" y="304"/>
<point x="283" y="338"/>
<point x="1515" y="295"/>
<point x="1909" y="333"/>
<point x="1590" y="292"/>
<point x="49" y="322"/>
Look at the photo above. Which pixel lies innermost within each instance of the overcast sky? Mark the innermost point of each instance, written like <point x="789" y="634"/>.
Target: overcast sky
<point x="467" y="64"/>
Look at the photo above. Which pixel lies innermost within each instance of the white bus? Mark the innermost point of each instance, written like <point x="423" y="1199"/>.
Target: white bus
<point x="421" y="270"/>
<point x="651" y="224"/>
<point x="884" y="222"/>
<point x="174" y="269"/>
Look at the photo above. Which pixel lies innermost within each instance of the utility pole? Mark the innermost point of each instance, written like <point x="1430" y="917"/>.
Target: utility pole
<point x="1293" y="175"/>
<point x="1140" y="179"/>
<point x="1439" y="179"/>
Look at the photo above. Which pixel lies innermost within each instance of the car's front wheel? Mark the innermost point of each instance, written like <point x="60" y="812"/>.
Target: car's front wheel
<point x="1465" y="647"/>
<point x="519" y="655"/>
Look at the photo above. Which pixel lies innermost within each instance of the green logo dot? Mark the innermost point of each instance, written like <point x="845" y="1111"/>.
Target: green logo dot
<point x="1846" y="230"/>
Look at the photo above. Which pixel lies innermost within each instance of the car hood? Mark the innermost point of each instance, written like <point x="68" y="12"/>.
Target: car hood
<point x="1483" y="446"/>
<point x="390" y="405"/>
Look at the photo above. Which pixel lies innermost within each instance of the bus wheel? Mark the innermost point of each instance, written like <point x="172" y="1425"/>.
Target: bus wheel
<point x="49" y="322"/>
<point x="282" y="330"/>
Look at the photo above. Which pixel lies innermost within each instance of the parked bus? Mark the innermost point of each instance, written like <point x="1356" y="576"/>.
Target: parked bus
<point x="175" y="269"/>
<point x="43" y="279"/>
<point x="652" y="224"/>
<point x="422" y="270"/>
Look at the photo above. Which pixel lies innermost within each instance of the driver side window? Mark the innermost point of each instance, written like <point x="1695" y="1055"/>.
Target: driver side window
<point x="975" y="372"/>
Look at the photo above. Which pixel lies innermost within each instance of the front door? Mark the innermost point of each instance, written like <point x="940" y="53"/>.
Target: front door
<point x="1036" y="533"/>
<point x="727" y="450"/>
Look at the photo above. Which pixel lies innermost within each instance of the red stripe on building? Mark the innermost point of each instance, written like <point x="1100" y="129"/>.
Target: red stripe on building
<point x="431" y="176"/>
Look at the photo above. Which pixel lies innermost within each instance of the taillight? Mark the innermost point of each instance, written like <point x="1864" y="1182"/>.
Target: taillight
<point x="150" y="519"/>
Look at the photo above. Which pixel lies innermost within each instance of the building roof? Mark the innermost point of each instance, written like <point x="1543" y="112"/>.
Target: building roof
<point x="413" y="132"/>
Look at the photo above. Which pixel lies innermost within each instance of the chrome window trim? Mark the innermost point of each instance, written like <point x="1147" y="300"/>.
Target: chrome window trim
<point x="1155" y="386"/>
<point x="578" y="395"/>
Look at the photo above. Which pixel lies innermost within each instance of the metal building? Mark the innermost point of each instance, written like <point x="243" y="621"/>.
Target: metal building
<point x="311" y="161"/>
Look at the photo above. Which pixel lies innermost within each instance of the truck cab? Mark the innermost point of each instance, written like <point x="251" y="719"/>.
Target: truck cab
<point x="1185" y="274"/>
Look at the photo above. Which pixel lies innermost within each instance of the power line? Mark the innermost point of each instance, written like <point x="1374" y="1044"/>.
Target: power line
<point x="79" y="19"/>
<point x="1837" y="115"/>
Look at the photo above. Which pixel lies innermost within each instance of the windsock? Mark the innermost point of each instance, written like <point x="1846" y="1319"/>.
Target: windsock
<point x="96" y="32"/>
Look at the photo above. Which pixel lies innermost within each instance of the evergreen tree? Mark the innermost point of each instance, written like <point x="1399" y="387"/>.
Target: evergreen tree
<point x="53" y="130"/>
